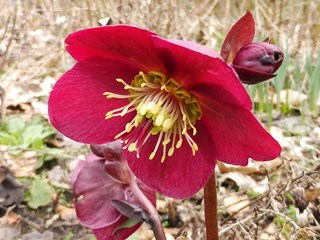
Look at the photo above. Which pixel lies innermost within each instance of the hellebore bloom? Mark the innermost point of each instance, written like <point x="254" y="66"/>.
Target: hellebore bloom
<point x="176" y="106"/>
<point x="254" y="62"/>
<point x="102" y="178"/>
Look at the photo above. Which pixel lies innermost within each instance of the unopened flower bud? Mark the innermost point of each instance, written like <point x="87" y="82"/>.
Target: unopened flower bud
<point x="257" y="62"/>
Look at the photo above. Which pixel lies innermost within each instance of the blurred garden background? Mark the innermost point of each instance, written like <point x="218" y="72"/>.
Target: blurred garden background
<point x="273" y="200"/>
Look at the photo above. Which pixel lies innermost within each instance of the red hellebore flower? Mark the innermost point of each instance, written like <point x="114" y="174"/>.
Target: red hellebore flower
<point x="98" y="181"/>
<point x="176" y="106"/>
<point x="254" y="62"/>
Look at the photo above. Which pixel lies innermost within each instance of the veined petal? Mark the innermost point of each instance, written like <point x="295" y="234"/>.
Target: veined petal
<point x="127" y="43"/>
<point x="237" y="135"/>
<point x="205" y="70"/>
<point x="220" y="84"/>
<point x="181" y="175"/>
<point x="95" y="190"/>
<point x="77" y="106"/>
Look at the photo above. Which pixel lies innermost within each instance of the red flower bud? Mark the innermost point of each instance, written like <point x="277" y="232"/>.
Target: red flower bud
<point x="257" y="62"/>
<point x="253" y="62"/>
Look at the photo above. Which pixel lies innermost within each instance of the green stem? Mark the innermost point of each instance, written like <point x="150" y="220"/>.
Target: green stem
<point x="210" y="209"/>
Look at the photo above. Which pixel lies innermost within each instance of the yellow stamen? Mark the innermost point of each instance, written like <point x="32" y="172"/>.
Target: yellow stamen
<point x="132" y="147"/>
<point x="163" y="108"/>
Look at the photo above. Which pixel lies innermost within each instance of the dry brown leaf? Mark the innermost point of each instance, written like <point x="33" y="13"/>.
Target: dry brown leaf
<point x="10" y="227"/>
<point x="66" y="213"/>
<point x="23" y="165"/>
<point x="259" y="168"/>
<point x="235" y="203"/>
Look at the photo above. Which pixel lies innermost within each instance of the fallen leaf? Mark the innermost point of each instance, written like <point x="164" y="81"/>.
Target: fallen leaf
<point x="10" y="227"/>
<point x="235" y="203"/>
<point x="66" y="213"/>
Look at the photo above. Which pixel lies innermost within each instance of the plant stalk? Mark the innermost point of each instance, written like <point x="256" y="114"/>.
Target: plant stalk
<point x="155" y="220"/>
<point x="210" y="209"/>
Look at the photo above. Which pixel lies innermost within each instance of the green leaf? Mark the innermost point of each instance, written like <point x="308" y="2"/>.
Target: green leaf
<point x="292" y="212"/>
<point x="288" y="196"/>
<point x="39" y="194"/>
<point x="40" y="162"/>
<point x="37" y="143"/>
<point x="8" y="139"/>
<point x="253" y="194"/>
<point x="32" y="132"/>
<point x="14" y="125"/>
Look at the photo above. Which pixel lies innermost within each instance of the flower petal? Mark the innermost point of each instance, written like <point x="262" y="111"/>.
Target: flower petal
<point x="77" y="107"/>
<point x="179" y="176"/>
<point x="192" y="68"/>
<point x="241" y="33"/>
<point x="249" y="76"/>
<point x="237" y="134"/>
<point x="106" y="232"/>
<point x="195" y="47"/>
<point x="95" y="190"/>
<point x="127" y="43"/>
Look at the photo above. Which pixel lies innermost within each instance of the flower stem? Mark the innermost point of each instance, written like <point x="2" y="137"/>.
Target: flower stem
<point x="150" y="209"/>
<point x="210" y="209"/>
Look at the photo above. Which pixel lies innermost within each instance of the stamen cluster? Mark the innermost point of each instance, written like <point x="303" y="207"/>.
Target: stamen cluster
<point x="163" y="108"/>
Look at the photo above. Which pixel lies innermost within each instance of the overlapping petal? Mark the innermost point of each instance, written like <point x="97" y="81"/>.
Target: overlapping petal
<point x="126" y="43"/>
<point x="94" y="208"/>
<point x="95" y="190"/>
<point x="77" y="106"/>
<point x="182" y="174"/>
<point x="237" y="135"/>
<point x="189" y="68"/>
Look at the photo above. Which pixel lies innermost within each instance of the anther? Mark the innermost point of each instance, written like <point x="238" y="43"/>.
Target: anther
<point x="152" y="155"/>
<point x="163" y="109"/>
<point x="132" y="147"/>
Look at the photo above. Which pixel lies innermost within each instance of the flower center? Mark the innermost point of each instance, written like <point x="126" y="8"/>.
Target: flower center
<point x="163" y="108"/>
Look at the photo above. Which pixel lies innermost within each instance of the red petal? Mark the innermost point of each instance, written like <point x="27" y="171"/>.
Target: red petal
<point x="249" y="76"/>
<point x="127" y="43"/>
<point x="179" y="176"/>
<point x="237" y="134"/>
<point x="106" y="232"/>
<point x="191" y="65"/>
<point x="219" y="83"/>
<point x="77" y="106"/>
<point x="241" y="33"/>
<point x="195" y="47"/>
